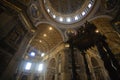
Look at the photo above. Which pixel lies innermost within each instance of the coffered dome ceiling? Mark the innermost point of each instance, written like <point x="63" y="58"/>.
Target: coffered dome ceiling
<point x="68" y="11"/>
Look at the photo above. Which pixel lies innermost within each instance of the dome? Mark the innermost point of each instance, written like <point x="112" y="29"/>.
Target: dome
<point x="68" y="11"/>
<point x="66" y="6"/>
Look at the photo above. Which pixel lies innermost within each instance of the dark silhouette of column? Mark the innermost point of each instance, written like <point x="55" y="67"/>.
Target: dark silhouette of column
<point x="72" y="59"/>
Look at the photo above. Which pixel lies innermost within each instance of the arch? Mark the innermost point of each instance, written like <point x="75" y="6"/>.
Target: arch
<point x="59" y="67"/>
<point x="101" y="16"/>
<point x="59" y="58"/>
<point x="53" y="25"/>
<point x="52" y="63"/>
<point x="51" y="69"/>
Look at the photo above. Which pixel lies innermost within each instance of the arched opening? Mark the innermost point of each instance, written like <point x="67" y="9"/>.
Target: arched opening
<point x="51" y="70"/>
<point x="45" y="39"/>
<point x="59" y="66"/>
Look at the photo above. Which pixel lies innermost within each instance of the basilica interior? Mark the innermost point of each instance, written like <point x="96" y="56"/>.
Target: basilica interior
<point x="59" y="39"/>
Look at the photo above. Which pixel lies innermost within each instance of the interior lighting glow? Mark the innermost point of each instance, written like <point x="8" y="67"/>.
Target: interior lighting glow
<point x="40" y="67"/>
<point x="48" y="10"/>
<point x="40" y="41"/>
<point x="50" y="28"/>
<point x="76" y="17"/>
<point x="67" y="45"/>
<point x="42" y="54"/>
<point x="97" y="31"/>
<point x="44" y="35"/>
<point x="89" y="5"/>
<point x="83" y="13"/>
<point x="28" y="66"/>
<point x="54" y="16"/>
<point x="68" y="19"/>
<point x="32" y="53"/>
<point x="61" y="19"/>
